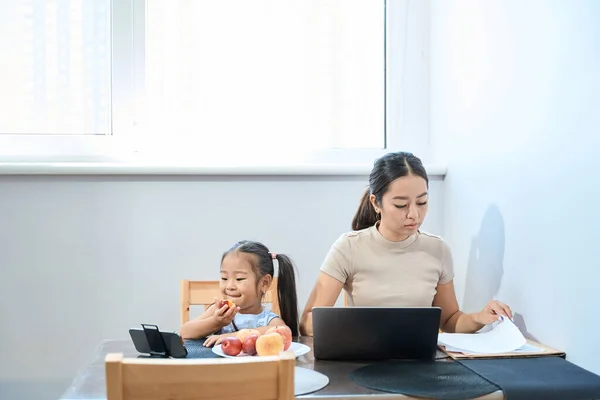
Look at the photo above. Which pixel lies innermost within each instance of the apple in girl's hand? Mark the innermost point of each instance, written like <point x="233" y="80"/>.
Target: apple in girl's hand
<point x="249" y="345"/>
<point x="285" y="332"/>
<point x="227" y="303"/>
<point x="269" y="344"/>
<point x="231" y="346"/>
<point x="242" y="334"/>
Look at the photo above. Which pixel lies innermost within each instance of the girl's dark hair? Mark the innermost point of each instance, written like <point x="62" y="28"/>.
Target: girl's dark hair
<point x="286" y="285"/>
<point x="385" y="170"/>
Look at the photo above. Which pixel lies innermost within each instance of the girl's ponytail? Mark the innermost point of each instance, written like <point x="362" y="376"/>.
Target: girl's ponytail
<point x="286" y="293"/>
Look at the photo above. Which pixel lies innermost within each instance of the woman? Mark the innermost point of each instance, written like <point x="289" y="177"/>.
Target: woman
<point x="387" y="261"/>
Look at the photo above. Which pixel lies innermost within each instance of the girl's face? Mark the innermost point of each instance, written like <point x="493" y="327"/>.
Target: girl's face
<point x="404" y="206"/>
<point x="238" y="281"/>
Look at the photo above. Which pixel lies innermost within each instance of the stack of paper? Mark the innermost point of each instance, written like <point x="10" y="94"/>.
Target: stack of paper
<point x="504" y="338"/>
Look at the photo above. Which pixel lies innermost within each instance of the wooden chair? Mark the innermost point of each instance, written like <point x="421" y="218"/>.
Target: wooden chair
<point x="260" y="378"/>
<point x="195" y="293"/>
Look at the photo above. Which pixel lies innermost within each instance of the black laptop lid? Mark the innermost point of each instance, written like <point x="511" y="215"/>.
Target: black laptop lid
<point x="375" y="333"/>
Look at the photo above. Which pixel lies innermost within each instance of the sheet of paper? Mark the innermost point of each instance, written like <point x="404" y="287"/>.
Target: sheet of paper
<point x="504" y="338"/>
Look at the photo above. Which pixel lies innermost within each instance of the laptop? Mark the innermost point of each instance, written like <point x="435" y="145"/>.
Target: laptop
<point x="375" y="333"/>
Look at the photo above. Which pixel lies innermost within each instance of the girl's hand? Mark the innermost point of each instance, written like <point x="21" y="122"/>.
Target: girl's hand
<point x="492" y="312"/>
<point x="224" y="315"/>
<point x="214" y="340"/>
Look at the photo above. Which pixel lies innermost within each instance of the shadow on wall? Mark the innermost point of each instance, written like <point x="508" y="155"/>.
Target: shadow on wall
<point x="485" y="267"/>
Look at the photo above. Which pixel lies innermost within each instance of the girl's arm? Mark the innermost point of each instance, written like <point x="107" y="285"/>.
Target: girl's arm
<point x="217" y="339"/>
<point x="274" y="322"/>
<point x="209" y="312"/>
<point x="325" y="293"/>
<point x="211" y="321"/>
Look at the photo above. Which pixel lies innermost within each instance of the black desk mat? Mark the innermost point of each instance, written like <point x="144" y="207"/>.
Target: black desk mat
<point x="440" y="380"/>
<point x="196" y="349"/>
<point x="539" y="378"/>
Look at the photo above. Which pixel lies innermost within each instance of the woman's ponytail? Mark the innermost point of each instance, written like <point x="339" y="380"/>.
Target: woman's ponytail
<point x="365" y="216"/>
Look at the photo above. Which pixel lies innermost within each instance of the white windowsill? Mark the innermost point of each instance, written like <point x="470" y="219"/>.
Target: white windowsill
<point x="108" y="155"/>
<point x="123" y="168"/>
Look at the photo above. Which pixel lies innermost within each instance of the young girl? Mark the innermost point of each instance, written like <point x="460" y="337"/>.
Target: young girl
<point x="247" y="271"/>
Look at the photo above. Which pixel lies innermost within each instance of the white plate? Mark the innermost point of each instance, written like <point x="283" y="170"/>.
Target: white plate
<point x="299" y="349"/>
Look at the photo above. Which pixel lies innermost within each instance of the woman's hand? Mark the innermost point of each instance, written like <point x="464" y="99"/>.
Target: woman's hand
<point x="214" y="340"/>
<point x="492" y="312"/>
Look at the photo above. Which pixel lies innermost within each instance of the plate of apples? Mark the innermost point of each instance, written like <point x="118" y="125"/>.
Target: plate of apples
<point x="250" y="342"/>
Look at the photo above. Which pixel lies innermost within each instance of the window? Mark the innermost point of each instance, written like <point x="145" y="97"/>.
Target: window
<point x="56" y="67"/>
<point x="273" y="74"/>
<point x="204" y="81"/>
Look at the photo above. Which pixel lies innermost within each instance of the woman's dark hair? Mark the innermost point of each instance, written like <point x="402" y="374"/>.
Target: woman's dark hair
<point x="286" y="285"/>
<point x="385" y="170"/>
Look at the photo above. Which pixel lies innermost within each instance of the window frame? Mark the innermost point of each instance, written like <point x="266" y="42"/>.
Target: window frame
<point x="406" y="110"/>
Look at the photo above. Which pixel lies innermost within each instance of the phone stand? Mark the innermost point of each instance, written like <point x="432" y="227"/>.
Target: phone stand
<point x="158" y="347"/>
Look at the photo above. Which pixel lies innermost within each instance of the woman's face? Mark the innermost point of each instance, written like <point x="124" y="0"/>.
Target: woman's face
<point x="404" y="206"/>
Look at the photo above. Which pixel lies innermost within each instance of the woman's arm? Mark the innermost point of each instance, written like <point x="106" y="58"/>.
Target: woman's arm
<point x="325" y="293"/>
<point x="455" y="321"/>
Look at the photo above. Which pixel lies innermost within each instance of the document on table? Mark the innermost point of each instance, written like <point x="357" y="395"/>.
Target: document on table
<point x="504" y="338"/>
<point x="526" y="348"/>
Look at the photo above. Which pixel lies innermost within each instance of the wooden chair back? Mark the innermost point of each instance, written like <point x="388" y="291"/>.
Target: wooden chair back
<point x="260" y="378"/>
<point x="202" y="293"/>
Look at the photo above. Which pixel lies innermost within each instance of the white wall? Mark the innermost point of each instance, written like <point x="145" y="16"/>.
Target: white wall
<point x="515" y="89"/>
<point x="83" y="259"/>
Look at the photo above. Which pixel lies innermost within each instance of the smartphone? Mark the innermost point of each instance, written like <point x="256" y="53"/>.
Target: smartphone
<point x="154" y="342"/>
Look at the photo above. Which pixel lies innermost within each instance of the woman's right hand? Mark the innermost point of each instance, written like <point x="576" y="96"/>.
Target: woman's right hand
<point x="224" y="316"/>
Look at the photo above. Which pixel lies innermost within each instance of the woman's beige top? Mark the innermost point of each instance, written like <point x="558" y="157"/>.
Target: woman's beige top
<point x="378" y="272"/>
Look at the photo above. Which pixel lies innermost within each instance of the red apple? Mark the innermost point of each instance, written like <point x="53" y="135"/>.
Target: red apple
<point x="286" y="334"/>
<point x="225" y="302"/>
<point x="242" y="334"/>
<point x="249" y="345"/>
<point x="231" y="346"/>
